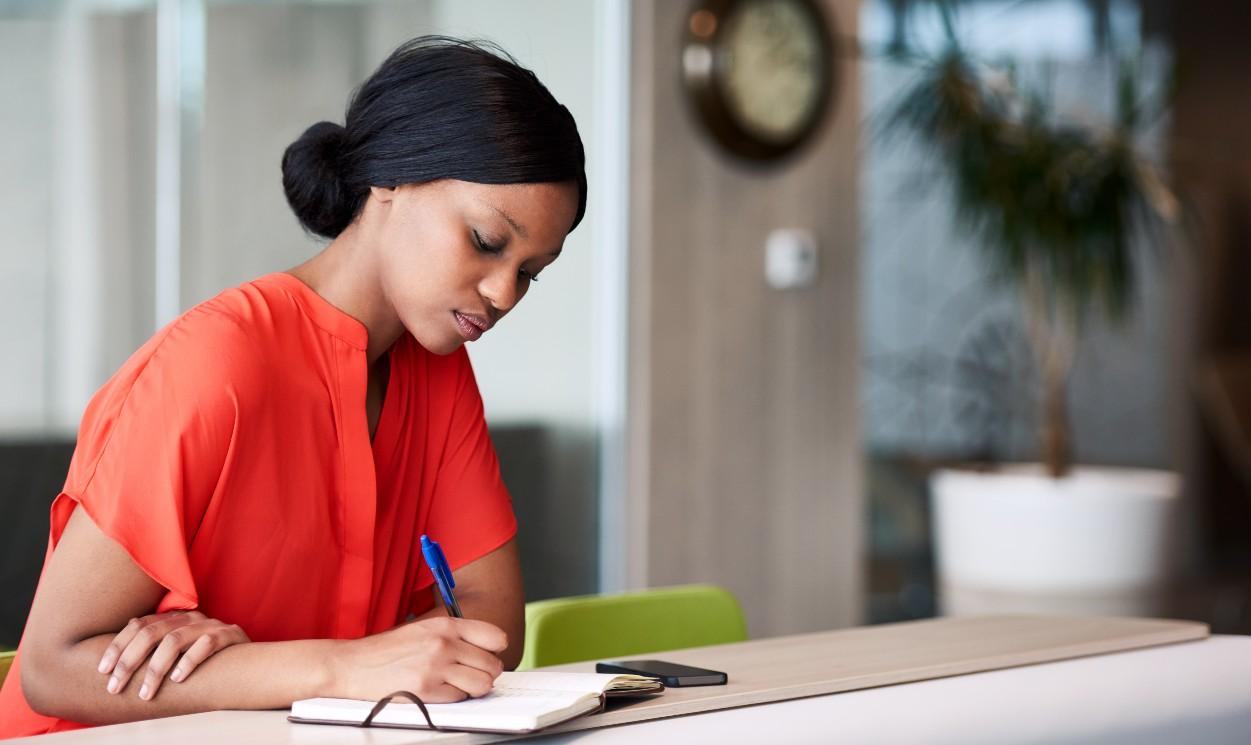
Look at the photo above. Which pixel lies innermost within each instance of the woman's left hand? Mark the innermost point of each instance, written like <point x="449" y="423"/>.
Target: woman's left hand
<point x="188" y="633"/>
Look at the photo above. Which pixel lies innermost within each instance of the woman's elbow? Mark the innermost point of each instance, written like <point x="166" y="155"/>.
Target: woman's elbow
<point x="39" y="684"/>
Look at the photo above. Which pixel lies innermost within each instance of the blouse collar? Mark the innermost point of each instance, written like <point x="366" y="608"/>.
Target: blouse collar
<point x="325" y="314"/>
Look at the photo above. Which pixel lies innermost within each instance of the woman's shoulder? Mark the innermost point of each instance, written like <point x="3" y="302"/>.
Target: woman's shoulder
<point x="221" y="360"/>
<point x="225" y="345"/>
<point x="220" y="339"/>
<point x="265" y="322"/>
<point x="199" y="354"/>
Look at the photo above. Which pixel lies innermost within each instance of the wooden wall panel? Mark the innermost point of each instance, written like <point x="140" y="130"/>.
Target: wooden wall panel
<point x="744" y="425"/>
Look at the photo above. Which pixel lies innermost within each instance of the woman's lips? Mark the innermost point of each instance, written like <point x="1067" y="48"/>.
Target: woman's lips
<point x="471" y="327"/>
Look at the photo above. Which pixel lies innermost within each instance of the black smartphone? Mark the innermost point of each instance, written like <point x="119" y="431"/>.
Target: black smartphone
<point x="671" y="674"/>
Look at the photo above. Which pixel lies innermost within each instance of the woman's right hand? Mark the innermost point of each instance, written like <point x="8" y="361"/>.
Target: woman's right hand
<point x="185" y="637"/>
<point x="440" y="660"/>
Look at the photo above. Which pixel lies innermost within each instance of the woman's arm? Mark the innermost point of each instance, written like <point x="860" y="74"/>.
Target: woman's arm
<point x="91" y="588"/>
<point x="171" y="645"/>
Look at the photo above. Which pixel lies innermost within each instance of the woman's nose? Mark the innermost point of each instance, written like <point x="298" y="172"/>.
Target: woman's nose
<point x="500" y="288"/>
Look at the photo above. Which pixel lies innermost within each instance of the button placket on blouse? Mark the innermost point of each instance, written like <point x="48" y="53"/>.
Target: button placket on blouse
<point x="359" y="498"/>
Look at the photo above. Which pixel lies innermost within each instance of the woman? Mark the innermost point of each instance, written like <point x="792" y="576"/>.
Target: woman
<point x="239" y="524"/>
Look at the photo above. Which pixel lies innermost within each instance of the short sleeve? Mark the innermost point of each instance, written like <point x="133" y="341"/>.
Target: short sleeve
<point x="151" y="448"/>
<point x="472" y="512"/>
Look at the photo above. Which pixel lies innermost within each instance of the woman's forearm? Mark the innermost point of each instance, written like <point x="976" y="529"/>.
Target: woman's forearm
<point x="255" y="675"/>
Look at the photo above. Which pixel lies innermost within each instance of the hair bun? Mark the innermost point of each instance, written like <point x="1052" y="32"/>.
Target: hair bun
<point x="312" y="177"/>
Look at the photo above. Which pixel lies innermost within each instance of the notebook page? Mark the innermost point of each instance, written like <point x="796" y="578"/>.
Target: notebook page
<point x="519" y="707"/>
<point x="539" y="681"/>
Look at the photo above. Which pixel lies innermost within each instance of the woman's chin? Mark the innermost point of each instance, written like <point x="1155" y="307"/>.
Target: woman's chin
<point x="436" y="338"/>
<point x="447" y="349"/>
<point x="440" y="345"/>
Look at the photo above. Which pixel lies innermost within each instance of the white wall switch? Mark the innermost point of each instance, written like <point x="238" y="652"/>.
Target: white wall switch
<point x="790" y="258"/>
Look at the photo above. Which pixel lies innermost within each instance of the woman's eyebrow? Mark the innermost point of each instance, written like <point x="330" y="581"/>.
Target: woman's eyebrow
<point x="521" y="231"/>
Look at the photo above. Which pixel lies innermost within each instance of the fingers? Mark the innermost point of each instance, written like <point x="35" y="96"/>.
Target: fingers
<point x="114" y="650"/>
<point x="165" y="637"/>
<point x="478" y="659"/>
<point x="124" y="637"/>
<point x="163" y="659"/>
<point x="201" y="641"/>
<point x="141" y="644"/>
<point x="470" y="680"/>
<point x="443" y="694"/>
<point x="454" y="658"/>
<point x="203" y="648"/>
<point x="488" y="636"/>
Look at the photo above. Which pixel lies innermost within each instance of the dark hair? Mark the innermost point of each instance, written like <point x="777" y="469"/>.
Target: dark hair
<point x="436" y="108"/>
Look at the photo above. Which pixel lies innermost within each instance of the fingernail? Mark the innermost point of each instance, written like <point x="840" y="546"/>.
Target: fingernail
<point x="176" y="675"/>
<point x="104" y="665"/>
<point x="114" y="684"/>
<point x="143" y="692"/>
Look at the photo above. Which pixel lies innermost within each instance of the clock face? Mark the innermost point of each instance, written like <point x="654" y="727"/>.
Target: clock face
<point x="772" y="57"/>
<point x="758" y="73"/>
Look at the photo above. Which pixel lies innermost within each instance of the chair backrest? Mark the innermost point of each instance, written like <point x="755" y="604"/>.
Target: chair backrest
<point x="592" y="627"/>
<point x="6" y="661"/>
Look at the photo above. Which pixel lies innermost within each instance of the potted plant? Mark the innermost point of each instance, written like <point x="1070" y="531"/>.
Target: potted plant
<point x="1059" y="210"/>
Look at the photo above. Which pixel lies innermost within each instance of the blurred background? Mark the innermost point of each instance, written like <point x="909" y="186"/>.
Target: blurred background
<point x="665" y="409"/>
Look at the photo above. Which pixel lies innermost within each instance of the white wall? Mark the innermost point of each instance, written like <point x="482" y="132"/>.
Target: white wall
<point x="26" y="207"/>
<point x="75" y="264"/>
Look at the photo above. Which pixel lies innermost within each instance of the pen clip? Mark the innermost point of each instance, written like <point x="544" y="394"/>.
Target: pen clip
<point x="438" y="561"/>
<point x="444" y="568"/>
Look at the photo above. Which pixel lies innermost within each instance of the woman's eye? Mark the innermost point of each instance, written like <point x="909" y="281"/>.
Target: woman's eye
<point x="527" y="276"/>
<point x="485" y="247"/>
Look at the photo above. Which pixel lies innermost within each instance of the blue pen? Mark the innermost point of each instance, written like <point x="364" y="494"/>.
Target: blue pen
<point x="442" y="574"/>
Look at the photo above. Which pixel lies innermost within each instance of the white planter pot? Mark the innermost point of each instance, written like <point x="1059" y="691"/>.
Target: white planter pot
<point x="1098" y="541"/>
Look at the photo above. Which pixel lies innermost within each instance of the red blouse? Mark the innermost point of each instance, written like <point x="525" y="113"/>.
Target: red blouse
<point x="230" y="457"/>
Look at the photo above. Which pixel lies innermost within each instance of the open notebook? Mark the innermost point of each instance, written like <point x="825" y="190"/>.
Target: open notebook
<point x="520" y="702"/>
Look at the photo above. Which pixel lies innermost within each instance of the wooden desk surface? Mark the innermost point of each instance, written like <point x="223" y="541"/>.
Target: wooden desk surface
<point x="760" y="671"/>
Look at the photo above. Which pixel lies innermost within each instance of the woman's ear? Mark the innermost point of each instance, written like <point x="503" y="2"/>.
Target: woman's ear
<point x="382" y="193"/>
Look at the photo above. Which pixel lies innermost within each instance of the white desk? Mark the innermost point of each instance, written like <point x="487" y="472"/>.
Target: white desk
<point x="1195" y="693"/>
<point x="1192" y="692"/>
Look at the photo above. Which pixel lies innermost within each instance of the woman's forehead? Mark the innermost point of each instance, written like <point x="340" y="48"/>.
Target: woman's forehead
<point x="540" y="212"/>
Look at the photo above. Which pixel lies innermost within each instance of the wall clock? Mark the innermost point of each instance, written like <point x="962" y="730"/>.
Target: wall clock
<point x="759" y="73"/>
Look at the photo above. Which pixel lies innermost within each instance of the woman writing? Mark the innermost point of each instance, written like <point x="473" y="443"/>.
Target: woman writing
<point x="239" y="525"/>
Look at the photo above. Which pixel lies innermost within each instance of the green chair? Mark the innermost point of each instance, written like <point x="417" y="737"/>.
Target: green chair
<point x="6" y="661"/>
<point x="593" y="627"/>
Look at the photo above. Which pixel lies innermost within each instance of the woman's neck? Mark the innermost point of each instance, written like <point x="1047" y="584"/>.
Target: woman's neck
<point x="345" y="274"/>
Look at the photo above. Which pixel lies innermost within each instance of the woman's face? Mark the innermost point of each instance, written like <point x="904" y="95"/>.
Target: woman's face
<point x="456" y="256"/>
